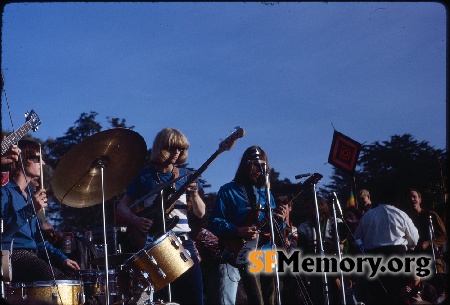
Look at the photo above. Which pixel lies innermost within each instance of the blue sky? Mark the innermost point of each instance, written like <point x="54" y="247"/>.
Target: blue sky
<point x="286" y="73"/>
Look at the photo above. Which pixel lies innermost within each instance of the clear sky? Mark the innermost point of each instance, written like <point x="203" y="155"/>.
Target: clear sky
<point x="285" y="72"/>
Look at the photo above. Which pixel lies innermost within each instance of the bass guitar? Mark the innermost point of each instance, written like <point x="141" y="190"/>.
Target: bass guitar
<point x="154" y="212"/>
<point x="240" y="248"/>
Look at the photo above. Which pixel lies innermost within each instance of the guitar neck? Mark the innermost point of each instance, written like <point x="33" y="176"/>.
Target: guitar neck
<point x="15" y="136"/>
<point x="174" y="197"/>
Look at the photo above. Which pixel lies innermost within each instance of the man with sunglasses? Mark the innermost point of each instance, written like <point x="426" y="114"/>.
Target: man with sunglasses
<point x="239" y="205"/>
<point x="170" y="148"/>
<point x="20" y="205"/>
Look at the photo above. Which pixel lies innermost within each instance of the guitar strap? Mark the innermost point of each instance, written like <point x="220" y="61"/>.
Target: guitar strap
<point x="250" y="197"/>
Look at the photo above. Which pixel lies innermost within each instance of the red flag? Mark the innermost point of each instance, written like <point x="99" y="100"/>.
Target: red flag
<point x="344" y="152"/>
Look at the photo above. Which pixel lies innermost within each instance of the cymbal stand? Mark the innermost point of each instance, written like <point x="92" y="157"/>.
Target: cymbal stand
<point x="272" y="231"/>
<point x="322" y="252"/>
<point x="163" y="211"/>
<point x="102" y="166"/>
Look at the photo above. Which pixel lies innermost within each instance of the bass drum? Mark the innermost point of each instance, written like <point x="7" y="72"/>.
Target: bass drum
<point x="160" y="262"/>
<point x="59" y="292"/>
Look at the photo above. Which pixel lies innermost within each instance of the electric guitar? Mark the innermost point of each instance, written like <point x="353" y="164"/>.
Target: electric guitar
<point x="32" y="123"/>
<point x="240" y="248"/>
<point x="154" y="212"/>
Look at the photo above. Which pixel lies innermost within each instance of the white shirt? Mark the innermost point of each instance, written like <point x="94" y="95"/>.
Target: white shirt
<point x="386" y="225"/>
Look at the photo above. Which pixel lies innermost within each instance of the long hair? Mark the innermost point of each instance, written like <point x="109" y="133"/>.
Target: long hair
<point x="28" y="150"/>
<point x="242" y="173"/>
<point x="166" y="138"/>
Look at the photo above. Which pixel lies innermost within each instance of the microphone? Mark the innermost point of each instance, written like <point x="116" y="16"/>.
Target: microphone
<point x="303" y="176"/>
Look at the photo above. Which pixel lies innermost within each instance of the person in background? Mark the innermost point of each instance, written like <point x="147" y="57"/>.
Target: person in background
<point x="22" y="229"/>
<point x="170" y="148"/>
<point x="364" y="200"/>
<point x="421" y="219"/>
<point x="385" y="230"/>
<point x="418" y="292"/>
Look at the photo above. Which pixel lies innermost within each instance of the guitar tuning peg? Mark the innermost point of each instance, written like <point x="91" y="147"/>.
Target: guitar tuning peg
<point x="27" y="113"/>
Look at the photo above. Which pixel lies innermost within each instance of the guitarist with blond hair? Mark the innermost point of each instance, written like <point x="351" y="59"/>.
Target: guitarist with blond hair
<point x="170" y="148"/>
<point x="236" y="214"/>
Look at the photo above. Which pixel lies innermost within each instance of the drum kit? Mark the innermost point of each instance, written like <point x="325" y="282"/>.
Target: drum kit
<point x="93" y="171"/>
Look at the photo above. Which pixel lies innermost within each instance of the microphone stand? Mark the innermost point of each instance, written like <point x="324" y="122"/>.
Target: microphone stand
<point x="272" y="231"/>
<point x="335" y="202"/>
<point x="431" y="229"/>
<point x="322" y="252"/>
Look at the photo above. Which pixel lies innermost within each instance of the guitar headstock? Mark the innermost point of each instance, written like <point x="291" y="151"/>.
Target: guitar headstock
<point x="33" y="119"/>
<point x="228" y="143"/>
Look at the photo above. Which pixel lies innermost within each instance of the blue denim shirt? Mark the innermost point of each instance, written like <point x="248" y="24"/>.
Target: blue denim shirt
<point x="232" y="207"/>
<point x="20" y="224"/>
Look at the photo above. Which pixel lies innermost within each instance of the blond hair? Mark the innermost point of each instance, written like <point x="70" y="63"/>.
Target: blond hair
<point x="164" y="140"/>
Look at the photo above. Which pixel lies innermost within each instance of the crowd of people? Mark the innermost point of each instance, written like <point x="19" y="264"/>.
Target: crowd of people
<point x="244" y="217"/>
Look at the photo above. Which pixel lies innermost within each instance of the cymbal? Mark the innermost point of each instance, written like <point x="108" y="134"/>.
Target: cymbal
<point x="113" y="259"/>
<point x="77" y="180"/>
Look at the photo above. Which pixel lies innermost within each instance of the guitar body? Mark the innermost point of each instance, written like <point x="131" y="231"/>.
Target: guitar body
<point x="240" y="248"/>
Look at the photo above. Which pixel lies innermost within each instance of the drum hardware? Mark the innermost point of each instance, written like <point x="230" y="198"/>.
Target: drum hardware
<point x="89" y="173"/>
<point x="184" y="257"/>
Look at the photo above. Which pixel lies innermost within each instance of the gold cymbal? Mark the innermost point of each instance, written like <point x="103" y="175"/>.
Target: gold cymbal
<point x="77" y="180"/>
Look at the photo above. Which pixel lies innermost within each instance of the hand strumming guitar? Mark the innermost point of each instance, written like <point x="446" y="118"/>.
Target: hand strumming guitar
<point x="248" y="233"/>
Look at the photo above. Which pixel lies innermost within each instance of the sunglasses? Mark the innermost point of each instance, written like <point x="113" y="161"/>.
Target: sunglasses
<point x="35" y="159"/>
<point x="175" y="149"/>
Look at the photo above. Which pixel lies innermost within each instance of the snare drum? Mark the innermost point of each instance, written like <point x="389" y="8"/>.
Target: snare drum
<point x="160" y="262"/>
<point x="46" y="293"/>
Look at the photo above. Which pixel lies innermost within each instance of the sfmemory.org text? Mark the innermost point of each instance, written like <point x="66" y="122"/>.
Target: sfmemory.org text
<point x="372" y="265"/>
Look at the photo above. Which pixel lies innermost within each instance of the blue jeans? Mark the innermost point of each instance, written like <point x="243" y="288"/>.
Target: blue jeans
<point x="223" y="280"/>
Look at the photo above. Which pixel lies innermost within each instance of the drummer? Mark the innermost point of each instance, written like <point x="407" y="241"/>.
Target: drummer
<point x="20" y="204"/>
<point x="170" y="148"/>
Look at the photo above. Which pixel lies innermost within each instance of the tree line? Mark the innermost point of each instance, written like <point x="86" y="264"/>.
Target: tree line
<point x="402" y="160"/>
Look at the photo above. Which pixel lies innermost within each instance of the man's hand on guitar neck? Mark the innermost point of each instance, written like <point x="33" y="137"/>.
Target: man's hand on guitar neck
<point x="281" y="212"/>
<point x="247" y="233"/>
<point x="11" y="155"/>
